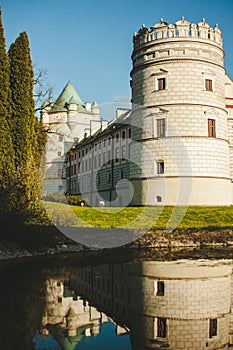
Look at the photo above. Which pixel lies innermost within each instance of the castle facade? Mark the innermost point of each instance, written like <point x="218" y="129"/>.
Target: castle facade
<point x="175" y="146"/>
<point x="66" y="121"/>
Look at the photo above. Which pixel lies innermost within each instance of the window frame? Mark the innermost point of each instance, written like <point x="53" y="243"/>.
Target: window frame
<point x="160" y="288"/>
<point x="209" y="84"/>
<point x="160" y="167"/>
<point x="161" y="327"/>
<point x="213" y="327"/>
<point x="160" y="127"/>
<point x="161" y="83"/>
<point x="211" y="128"/>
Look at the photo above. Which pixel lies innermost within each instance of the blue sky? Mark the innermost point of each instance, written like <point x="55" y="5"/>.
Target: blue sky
<point x="90" y="42"/>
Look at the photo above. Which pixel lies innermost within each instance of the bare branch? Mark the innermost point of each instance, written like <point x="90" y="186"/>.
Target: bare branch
<point x="42" y="88"/>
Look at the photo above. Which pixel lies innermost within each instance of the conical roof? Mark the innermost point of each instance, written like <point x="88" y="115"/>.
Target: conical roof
<point x="94" y="104"/>
<point x="68" y="95"/>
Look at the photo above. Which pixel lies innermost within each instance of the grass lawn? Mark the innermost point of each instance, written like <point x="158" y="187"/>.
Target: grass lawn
<point x="145" y="218"/>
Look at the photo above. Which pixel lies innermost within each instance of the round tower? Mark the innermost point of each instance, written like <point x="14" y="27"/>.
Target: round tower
<point x="178" y="77"/>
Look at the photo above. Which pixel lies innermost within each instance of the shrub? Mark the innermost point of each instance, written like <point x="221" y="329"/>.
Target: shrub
<point x="76" y="200"/>
<point x="61" y="198"/>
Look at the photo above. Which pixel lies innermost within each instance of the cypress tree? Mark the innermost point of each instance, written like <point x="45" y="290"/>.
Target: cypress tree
<point x="7" y="172"/>
<point x="23" y="123"/>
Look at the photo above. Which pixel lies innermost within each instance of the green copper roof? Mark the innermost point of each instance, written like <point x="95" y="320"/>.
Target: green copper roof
<point x="46" y="103"/>
<point x="68" y="95"/>
<point x="94" y="104"/>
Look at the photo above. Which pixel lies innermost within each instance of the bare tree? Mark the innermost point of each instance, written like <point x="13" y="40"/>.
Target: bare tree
<point x="42" y="88"/>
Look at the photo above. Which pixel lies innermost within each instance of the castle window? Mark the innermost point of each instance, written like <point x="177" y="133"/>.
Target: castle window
<point x="60" y="138"/>
<point x="95" y="146"/>
<point x="83" y="153"/>
<point x="213" y="326"/>
<point x="117" y="137"/>
<point x="109" y="177"/>
<point x="160" y="127"/>
<point x="161" y="83"/>
<point x="104" y="158"/>
<point x="162" y="327"/>
<point x="59" y="154"/>
<point x="109" y="157"/>
<point x="109" y="141"/>
<point x="160" y="167"/>
<point x="117" y="155"/>
<point x="100" y="160"/>
<point x="104" y="142"/>
<point x="211" y="128"/>
<point x="160" y="288"/>
<point x="129" y="133"/>
<point x="121" y="174"/>
<point x="123" y="151"/>
<point x="208" y="85"/>
<point x="59" y="300"/>
<point x="123" y="135"/>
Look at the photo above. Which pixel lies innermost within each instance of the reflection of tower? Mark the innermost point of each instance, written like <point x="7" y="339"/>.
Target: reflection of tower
<point x="69" y="312"/>
<point x="66" y="121"/>
<point x="176" y="305"/>
<point x="179" y="77"/>
<point x="181" y="305"/>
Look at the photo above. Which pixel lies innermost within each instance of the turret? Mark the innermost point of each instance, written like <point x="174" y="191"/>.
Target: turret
<point x="178" y="77"/>
<point x="95" y="108"/>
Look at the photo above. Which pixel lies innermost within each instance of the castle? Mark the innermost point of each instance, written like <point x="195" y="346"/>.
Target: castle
<point x="183" y="304"/>
<point x="175" y="146"/>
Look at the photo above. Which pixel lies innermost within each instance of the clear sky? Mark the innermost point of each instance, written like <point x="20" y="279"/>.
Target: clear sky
<point x="90" y="42"/>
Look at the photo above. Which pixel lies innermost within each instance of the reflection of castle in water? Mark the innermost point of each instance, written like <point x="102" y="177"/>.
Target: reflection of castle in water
<point x="176" y="305"/>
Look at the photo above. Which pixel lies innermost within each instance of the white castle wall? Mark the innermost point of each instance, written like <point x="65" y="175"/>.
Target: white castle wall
<point x="64" y="129"/>
<point x="185" y="59"/>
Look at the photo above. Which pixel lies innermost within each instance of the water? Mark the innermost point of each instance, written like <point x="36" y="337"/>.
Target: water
<point x="68" y="303"/>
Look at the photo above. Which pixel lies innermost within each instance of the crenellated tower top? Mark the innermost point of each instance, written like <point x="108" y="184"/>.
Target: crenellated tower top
<point x="181" y="29"/>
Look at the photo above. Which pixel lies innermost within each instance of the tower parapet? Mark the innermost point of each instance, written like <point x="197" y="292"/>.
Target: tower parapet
<point x="180" y="29"/>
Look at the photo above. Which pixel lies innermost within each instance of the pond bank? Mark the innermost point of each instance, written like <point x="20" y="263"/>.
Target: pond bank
<point x="38" y="240"/>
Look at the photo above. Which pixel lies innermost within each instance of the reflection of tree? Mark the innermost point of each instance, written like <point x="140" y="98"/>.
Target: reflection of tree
<point x="21" y="306"/>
